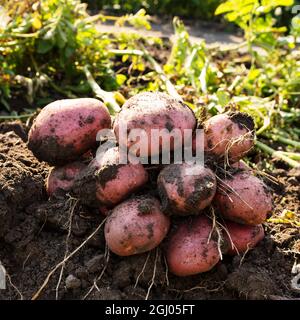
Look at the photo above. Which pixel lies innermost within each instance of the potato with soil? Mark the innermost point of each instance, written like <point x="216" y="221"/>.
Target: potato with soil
<point x="136" y="226"/>
<point x="192" y="247"/>
<point x="240" y="238"/>
<point x="62" y="178"/>
<point x="153" y="110"/>
<point x="243" y="198"/>
<point x="106" y="181"/>
<point x="186" y="189"/>
<point x="66" y="129"/>
<point x="229" y="135"/>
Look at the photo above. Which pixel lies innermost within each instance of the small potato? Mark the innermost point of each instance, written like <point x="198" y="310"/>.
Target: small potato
<point x="62" y="178"/>
<point x="241" y="165"/>
<point x="186" y="189"/>
<point x="243" y="198"/>
<point x="107" y="182"/>
<point x="229" y="135"/>
<point x="66" y="129"/>
<point x="240" y="238"/>
<point x="149" y="111"/>
<point x="188" y="250"/>
<point x="136" y="226"/>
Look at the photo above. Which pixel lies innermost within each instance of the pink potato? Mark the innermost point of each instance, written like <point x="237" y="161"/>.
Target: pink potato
<point x="62" y="178"/>
<point x="240" y="165"/>
<point x="148" y="111"/>
<point x="107" y="182"/>
<point x="243" y="198"/>
<point x="188" y="250"/>
<point x="66" y="129"/>
<point x="186" y="189"/>
<point x="229" y="135"/>
<point x="240" y="238"/>
<point x="136" y="226"/>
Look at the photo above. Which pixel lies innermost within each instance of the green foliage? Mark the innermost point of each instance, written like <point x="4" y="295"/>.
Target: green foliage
<point x="47" y="43"/>
<point x="190" y="9"/>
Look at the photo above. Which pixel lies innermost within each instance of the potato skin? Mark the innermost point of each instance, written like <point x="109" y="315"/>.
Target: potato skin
<point x="183" y="193"/>
<point x="229" y="134"/>
<point x="62" y="178"/>
<point x="106" y="182"/>
<point x="247" y="199"/>
<point x="242" y="237"/>
<point x="117" y="181"/>
<point x="66" y="129"/>
<point x="188" y="251"/>
<point x="240" y="165"/>
<point x="153" y="110"/>
<point x="136" y="226"/>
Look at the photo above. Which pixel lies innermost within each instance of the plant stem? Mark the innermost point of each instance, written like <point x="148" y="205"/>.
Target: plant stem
<point x="277" y="154"/>
<point x="284" y="140"/>
<point x="11" y="117"/>
<point x="107" y="97"/>
<point x="158" y="69"/>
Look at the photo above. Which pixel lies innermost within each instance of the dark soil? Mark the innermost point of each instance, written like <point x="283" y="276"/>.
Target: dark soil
<point x="36" y="233"/>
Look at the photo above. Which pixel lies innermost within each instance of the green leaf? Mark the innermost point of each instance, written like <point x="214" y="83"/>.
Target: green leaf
<point x="225" y="7"/>
<point x="44" y="46"/>
<point x="223" y="97"/>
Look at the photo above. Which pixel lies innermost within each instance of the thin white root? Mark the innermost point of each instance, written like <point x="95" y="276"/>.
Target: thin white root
<point x="37" y="294"/>
<point x="143" y="269"/>
<point x="153" y="275"/>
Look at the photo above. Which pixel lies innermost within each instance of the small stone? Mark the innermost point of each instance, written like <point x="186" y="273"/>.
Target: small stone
<point x="72" y="282"/>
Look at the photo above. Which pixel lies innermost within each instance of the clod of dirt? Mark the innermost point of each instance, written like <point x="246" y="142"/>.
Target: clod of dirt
<point x="72" y="282"/>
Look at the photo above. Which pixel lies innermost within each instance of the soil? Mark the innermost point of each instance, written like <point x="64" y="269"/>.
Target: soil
<point x="36" y="233"/>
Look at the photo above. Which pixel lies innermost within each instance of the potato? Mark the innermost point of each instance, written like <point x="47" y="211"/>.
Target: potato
<point x="189" y="250"/>
<point x="243" y="198"/>
<point x="240" y="165"/>
<point x="62" y="178"/>
<point x="66" y="129"/>
<point x="186" y="189"/>
<point x="229" y="135"/>
<point x="240" y="238"/>
<point x="135" y="226"/>
<point x="107" y="182"/>
<point x="153" y="110"/>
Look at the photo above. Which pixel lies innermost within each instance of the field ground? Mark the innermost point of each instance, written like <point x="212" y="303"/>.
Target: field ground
<point x="37" y="235"/>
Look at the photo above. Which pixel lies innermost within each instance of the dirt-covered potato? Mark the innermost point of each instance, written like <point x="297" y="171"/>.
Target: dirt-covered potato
<point x="135" y="226"/>
<point x="192" y="247"/>
<point x="107" y="182"/>
<point x="229" y="135"/>
<point x="66" y="129"/>
<point x="243" y="198"/>
<point x="186" y="189"/>
<point x="62" y="178"/>
<point x="240" y="238"/>
<point x="153" y="110"/>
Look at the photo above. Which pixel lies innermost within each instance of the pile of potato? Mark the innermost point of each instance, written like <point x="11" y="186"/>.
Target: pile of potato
<point x="218" y="210"/>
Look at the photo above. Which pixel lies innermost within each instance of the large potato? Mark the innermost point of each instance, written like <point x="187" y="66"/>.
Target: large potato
<point x="243" y="198"/>
<point x="65" y="129"/>
<point x="153" y="110"/>
<point x="189" y="250"/>
<point x="135" y="226"/>
<point x="186" y="189"/>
